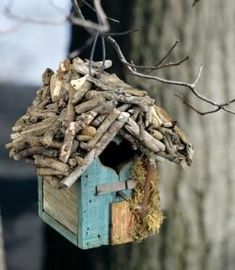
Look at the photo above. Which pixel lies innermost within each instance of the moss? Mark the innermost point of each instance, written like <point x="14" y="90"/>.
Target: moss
<point x="147" y="221"/>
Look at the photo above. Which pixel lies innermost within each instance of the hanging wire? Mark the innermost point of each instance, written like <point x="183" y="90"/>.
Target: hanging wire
<point x="92" y="52"/>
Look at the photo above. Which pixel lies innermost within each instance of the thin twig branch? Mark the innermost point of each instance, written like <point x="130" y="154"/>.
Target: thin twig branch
<point x="168" y="53"/>
<point x="219" y="107"/>
<point x="173" y="64"/>
<point x="82" y="48"/>
<point x="93" y="9"/>
<point x="101" y="29"/>
<point x="190" y="86"/>
<point x="101" y="16"/>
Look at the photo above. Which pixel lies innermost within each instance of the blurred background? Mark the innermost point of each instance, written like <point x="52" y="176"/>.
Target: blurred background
<point x="199" y="227"/>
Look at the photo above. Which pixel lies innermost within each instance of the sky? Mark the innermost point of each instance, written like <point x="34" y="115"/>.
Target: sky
<point x="27" y="49"/>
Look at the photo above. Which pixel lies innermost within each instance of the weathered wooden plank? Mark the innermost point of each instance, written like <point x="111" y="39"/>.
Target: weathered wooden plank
<point x="59" y="228"/>
<point x="40" y="196"/>
<point x="94" y="211"/>
<point x="122" y="222"/>
<point x="114" y="187"/>
<point x="61" y="205"/>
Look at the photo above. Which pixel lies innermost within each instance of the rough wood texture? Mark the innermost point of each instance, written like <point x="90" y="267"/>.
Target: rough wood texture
<point x="114" y="187"/>
<point x="61" y="205"/>
<point x="122" y="221"/>
<point x="198" y="231"/>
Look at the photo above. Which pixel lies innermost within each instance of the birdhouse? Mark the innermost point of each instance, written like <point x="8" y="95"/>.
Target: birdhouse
<point x="95" y="210"/>
<point x="95" y="142"/>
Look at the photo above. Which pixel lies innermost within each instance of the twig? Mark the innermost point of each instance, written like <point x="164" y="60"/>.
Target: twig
<point x="190" y="86"/>
<point x="93" y="9"/>
<point x="173" y="64"/>
<point x="92" y="53"/>
<point x="187" y="102"/>
<point x="82" y="48"/>
<point x="168" y="53"/>
<point x="101" y="16"/>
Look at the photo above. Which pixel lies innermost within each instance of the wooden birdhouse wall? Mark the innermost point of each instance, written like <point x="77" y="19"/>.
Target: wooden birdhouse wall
<point x="79" y="213"/>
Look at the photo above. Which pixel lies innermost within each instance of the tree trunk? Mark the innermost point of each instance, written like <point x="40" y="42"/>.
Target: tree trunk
<point x="199" y="228"/>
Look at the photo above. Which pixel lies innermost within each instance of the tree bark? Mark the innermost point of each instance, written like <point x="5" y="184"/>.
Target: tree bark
<point x="198" y="231"/>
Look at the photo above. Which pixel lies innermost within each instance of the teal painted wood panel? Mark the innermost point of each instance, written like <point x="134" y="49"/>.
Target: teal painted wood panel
<point x="94" y="211"/>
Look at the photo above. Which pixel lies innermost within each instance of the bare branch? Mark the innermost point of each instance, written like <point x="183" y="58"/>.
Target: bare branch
<point x="219" y="107"/>
<point x="82" y="48"/>
<point x="93" y="9"/>
<point x="101" y="16"/>
<point x="173" y="64"/>
<point x="190" y="86"/>
<point x="168" y="53"/>
<point x="77" y="10"/>
<point x="100" y="27"/>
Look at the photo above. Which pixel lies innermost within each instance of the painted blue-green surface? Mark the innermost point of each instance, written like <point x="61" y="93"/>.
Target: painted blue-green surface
<point x="94" y="212"/>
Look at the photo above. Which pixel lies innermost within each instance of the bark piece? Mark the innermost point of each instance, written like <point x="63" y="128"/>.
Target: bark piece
<point x="25" y="142"/>
<point x="49" y="171"/>
<point x="66" y="148"/>
<point x="83" y="138"/>
<point x="148" y="141"/>
<point x="46" y="76"/>
<point x="84" y="120"/>
<point x="35" y="150"/>
<point x="89" y="105"/>
<point x="94" y="153"/>
<point x="105" y="108"/>
<point x="82" y="86"/>
<point x="99" y="119"/>
<point x="156" y="134"/>
<point x="55" y="87"/>
<point x="110" y="118"/>
<point x="70" y="113"/>
<point x="36" y="129"/>
<point x="83" y="67"/>
<point x="41" y="161"/>
<point x="109" y="82"/>
<point x="50" y="133"/>
<point x="164" y="116"/>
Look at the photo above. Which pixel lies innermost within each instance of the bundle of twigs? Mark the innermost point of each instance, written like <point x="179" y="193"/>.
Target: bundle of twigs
<point x="77" y="113"/>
